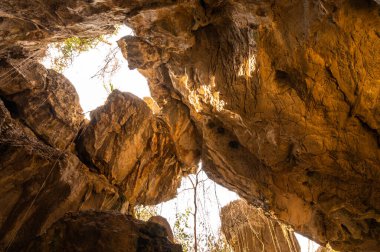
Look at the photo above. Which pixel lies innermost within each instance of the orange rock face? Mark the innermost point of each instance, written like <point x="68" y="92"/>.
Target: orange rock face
<point x="133" y="148"/>
<point x="43" y="99"/>
<point x="286" y="101"/>
<point x="128" y="154"/>
<point x="40" y="184"/>
<point x="247" y="228"/>
<point x="279" y="99"/>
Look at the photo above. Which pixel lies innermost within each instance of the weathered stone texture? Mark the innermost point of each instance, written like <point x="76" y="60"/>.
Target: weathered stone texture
<point x="43" y="176"/>
<point x="42" y="99"/>
<point x="247" y="228"/>
<point x="40" y="184"/>
<point x="132" y="148"/>
<point x="280" y="100"/>
<point x="285" y="95"/>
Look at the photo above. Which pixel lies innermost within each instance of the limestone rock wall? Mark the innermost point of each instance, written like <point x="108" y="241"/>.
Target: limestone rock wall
<point x="280" y="99"/>
<point x="247" y="228"/>
<point x="44" y="100"/>
<point x="125" y="142"/>
<point x="53" y="161"/>
<point x="40" y="184"/>
<point x="285" y="96"/>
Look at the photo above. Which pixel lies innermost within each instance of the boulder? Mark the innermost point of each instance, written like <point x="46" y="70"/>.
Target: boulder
<point x="103" y="231"/>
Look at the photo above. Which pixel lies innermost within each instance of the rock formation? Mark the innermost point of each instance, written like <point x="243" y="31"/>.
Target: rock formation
<point x="324" y="249"/>
<point x="43" y="176"/>
<point x="165" y="224"/>
<point x="44" y="100"/>
<point x="103" y="231"/>
<point x="40" y="183"/>
<point x="132" y="148"/>
<point x="247" y="228"/>
<point x="285" y="96"/>
<point x="280" y="100"/>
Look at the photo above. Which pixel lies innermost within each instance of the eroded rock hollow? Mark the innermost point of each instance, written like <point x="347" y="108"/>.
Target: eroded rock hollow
<point x="279" y="99"/>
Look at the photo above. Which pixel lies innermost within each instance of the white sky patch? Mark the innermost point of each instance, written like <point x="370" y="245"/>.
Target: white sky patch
<point x="92" y="94"/>
<point x="211" y="197"/>
<point x="306" y="244"/>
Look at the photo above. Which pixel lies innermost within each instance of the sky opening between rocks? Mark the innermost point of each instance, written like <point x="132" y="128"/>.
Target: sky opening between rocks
<point x="93" y="92"/>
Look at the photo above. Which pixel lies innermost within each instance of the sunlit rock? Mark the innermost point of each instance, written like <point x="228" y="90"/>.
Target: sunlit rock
<point x="285" y="96"/>
<point x="280" y="100"/>
<point x="43" y="99"/>
<point x="40" y="184"/>
<point x="130" y="146"/>
<point x="249" y="229"/>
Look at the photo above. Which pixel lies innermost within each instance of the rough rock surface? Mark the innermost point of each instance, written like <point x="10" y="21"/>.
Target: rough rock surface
<point x="132" y="148"/>
<point x="39" y="184"/>
<point x="42" y="175"/>
<point x="103" y="231"/>
<point x="27" y="27"/>
<point x="324" y="249"/>
<point x="280" y="98"/>
<point x="43" y="99"/>
<point x="285" y="95"/>
<point x="247" y="228"/>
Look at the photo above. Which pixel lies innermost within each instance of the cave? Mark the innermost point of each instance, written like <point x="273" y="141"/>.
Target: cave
<point x="279" y="100"/>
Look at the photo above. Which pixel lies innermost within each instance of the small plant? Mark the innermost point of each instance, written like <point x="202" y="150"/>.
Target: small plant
<point x="181" y="230"/>
<point x="62" y="54"/>
<point x="110" y="66"/>
<point x="109" y="87"/>
<point x="217" y="243"/>
<point x="144" y="212"/>
<point x="67" y="50"/>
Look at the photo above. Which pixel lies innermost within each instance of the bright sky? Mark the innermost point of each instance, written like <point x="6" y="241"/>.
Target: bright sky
<point x="90" y="90"/>
<point x="211" y="197"/>
<point x="92" y="94"/>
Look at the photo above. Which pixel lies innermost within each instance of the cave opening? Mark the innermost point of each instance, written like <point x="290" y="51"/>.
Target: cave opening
<point x="197" y="195"/>
<point x="97" y="70"/>
<point x="283" y="79"/>
<point x="93" y="89"/>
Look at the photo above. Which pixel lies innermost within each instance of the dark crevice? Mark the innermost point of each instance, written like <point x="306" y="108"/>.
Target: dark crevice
<point x="211" y="124"/>
<point x="331" y="75"/>
<point x="291" y="157"/>
<point x="82" y="154"/>
<point x="295" y="82"/>
<point x="282" y="76"/>
<point x="261" y="12"/>
<point x="3" y="63"/>
<point x="368" y="128"/>
<point x="12" y="107"/>
<point x="363" y="4"/>
<point x="16" y="114"/>
<point x="310" y="174"/>
<point x="345" y="229"/>
<point x="203" y="4"/>
<point x="220" y="130"/>
<point x="234" y="144"/>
